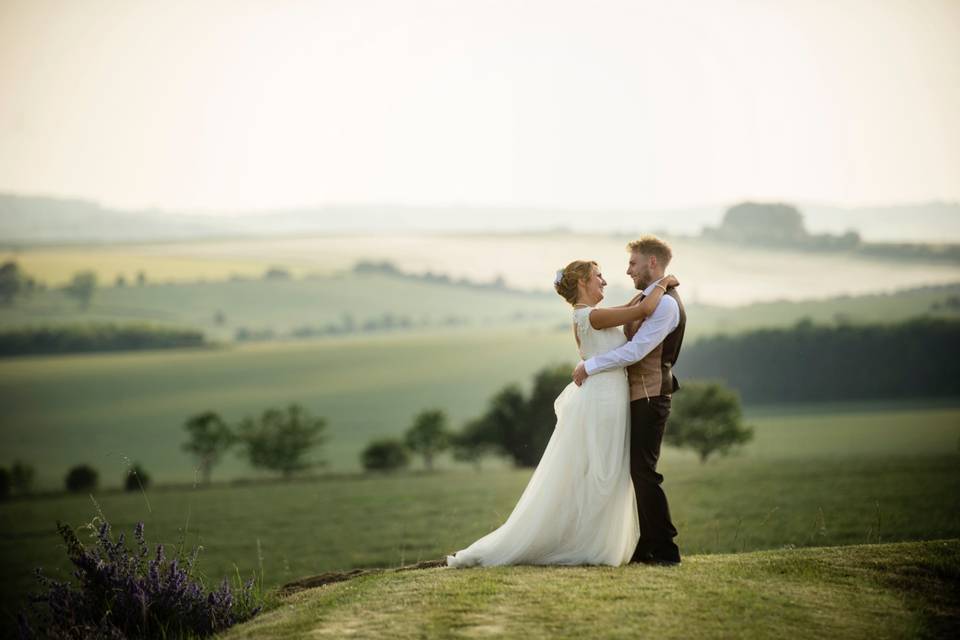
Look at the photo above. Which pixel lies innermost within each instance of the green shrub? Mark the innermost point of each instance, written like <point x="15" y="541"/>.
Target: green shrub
<point x="81" y="478"/>
<point x="387" y="454"/>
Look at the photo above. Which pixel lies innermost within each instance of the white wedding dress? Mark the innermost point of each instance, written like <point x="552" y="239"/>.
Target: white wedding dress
<point x="579" y="505"/>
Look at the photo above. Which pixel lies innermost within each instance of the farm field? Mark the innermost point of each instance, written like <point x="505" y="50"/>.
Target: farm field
<point x="713" y="274"/>
<point x="365" y="299"/>
<point x="105" y="409"/>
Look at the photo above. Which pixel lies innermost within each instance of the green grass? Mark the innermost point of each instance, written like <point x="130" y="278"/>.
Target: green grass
<point x="317" y="302"/>
<point x="875" y="591"/>
<point x="286" y="305"/>
<point x="303" y="528"/>
<point x="60" y="411"/>
<point x="104" y="408"/>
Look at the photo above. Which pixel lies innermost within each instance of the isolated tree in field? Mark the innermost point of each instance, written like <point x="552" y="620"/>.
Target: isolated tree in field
<point x="388" y="454"/>
<point x="135" y="478"/>
<point x="548" y="383"/>
<point x="81" y="478"/>
<point x="502" y="425"/>
<point x="82" y="286"/>
<point x="5" y="483"/>
<point x="707" y="418"/>
<point x="22" y="476"/>
<point x="210" y="437"/>
<point x="468" y="446"/>
<point x="280" y="440"/>
<point x="13" y="282"/>
<point x="518" y="426"/>
<point x="428" y="435"/>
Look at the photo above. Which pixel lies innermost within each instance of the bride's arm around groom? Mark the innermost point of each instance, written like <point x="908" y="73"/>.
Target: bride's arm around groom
<point x="664" y="319"/>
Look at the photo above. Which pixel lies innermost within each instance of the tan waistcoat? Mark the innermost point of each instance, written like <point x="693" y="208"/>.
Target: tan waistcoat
<point x="653" y="375"/>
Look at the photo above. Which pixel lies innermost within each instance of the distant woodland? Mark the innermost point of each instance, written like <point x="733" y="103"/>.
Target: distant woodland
<point x="782" y="225"/>
<point x="917" y="358"/>
<point x="95" y="337"/>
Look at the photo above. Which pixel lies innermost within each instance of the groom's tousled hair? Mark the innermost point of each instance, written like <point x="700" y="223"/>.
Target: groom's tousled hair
<point x="652" y="246"/>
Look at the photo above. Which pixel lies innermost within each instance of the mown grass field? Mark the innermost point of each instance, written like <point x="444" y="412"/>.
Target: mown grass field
<point x="803" y="493"/>
<point x="878" y="591"/>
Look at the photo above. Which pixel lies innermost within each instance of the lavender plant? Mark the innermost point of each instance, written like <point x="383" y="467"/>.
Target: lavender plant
<point x="122" y="593"/>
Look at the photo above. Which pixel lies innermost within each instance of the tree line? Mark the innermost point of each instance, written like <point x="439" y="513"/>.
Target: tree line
<point x="913" y="359"/>
<point x="278" y="440"/>
<point x="78" y="338"/>
<point x="707" y="418"/>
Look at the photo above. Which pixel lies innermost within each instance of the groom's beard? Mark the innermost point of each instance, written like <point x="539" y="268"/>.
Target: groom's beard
<point x="644" y="281"/>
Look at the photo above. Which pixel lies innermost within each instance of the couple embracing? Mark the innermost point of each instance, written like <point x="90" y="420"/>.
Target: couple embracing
<point x="596" y="495"/>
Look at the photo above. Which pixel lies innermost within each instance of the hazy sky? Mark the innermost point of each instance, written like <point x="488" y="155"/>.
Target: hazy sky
<point x="233" y="104"/>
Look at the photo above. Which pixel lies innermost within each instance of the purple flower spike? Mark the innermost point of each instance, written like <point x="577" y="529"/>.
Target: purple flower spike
<point x="118" y="594"/>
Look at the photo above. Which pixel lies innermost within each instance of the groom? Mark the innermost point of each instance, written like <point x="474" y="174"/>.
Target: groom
<point x="649" y="354"/>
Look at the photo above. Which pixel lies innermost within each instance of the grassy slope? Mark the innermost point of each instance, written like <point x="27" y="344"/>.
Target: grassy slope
<point x="338" y="523"/>
<point x="286" y="305"/>
<point x="875" y="591"/>
<point x="98" y="408"/>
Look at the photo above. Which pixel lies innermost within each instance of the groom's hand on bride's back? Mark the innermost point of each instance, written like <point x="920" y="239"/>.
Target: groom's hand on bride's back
<point x="580" y="373"/>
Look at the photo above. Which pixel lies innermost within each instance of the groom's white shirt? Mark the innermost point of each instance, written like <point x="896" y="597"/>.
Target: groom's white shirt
<point x="664" y="319"/>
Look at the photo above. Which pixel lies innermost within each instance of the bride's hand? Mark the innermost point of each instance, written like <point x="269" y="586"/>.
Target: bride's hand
<point x="671" y="281"/>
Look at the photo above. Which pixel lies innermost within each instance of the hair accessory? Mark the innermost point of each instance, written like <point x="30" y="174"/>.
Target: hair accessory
<point x="558" y="278"/>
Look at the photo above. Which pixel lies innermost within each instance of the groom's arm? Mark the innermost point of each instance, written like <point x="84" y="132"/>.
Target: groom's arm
<point x="652" y="332"/>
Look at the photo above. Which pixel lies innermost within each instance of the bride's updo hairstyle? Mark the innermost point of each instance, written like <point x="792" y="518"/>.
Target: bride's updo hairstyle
<point x="567" y="279"/>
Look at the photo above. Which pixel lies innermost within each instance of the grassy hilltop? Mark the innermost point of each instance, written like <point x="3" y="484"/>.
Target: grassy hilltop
<point x="869" y="591"/>
<point x="800" y="485"/>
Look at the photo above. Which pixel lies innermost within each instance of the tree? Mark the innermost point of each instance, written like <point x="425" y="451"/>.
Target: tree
<point x="82" y="287"/>
<point x="762" y="223"/>
<point x="81" y="478"/>
<point x="707" y="418"/>
<point x="501" y="426"/>
<point x="387" y="454"/>
<point x="428" y="435"/>
<point x="13" y="282"/>
<point x="279" y="440"/>
<point x="5" y="482"/>
<point x="21" y="477"/>
<point x="135" y="478"/>
<point x="210" y="437"/>
<point x="467" y="446"/>
<point x="520" y="427"/>
<point x="548" y="383"/>
<point x="276" y="273"/>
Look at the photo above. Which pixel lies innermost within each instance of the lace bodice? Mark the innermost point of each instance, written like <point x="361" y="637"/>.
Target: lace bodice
<point x="595" y="341"/>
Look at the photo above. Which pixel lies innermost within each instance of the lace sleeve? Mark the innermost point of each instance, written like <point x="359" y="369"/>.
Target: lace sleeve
<point x="581" y="319"/>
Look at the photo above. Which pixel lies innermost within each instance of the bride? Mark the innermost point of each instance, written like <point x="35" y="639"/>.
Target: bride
<point x="579" y="505"/>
